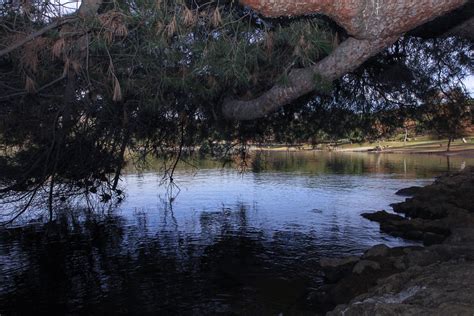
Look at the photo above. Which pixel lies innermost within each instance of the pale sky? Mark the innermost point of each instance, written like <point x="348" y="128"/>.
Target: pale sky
<point x="469" y="82"/>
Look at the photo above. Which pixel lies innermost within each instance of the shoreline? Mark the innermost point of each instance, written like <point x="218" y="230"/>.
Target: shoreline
<point x="435" y="279"/>
<point x="425" y="147"/>
<point x="465" y="153"/>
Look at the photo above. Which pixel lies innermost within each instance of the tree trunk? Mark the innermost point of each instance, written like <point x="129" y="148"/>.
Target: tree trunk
<point x="374" y="25"/>
<point x="449" y="144"/>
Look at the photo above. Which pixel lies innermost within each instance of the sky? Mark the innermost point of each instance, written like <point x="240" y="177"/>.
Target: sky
<point x="469" y="82"/>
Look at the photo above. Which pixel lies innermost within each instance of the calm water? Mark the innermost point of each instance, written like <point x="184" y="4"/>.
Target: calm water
<point x="229" y="242"/>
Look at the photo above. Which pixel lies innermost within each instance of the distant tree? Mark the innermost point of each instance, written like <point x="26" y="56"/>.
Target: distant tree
<point x="448" y="114"/>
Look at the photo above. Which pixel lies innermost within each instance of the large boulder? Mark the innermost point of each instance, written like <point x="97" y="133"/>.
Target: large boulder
<point x="382" y="217"/>
<point x="335" y="269"/>
<point x="377" y="251"/>
<point x="364" y="265"/>
<point x="448" y="194"/>
<point x="439" y="289"/>
<point x="408" y="191"/>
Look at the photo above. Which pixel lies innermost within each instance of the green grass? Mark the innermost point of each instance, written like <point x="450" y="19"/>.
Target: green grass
<point x="421" y="144"/>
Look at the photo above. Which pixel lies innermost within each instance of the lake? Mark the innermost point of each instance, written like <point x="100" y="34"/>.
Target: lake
<point x="220" y="241"/>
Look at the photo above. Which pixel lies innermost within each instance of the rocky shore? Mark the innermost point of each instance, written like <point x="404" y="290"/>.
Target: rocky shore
<point x="434" y="279"/>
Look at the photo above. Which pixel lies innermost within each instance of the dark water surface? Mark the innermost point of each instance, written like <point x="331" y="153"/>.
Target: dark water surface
<point x="229" y="243"/>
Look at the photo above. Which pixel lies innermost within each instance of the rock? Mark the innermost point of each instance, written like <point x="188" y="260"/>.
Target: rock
<point x="440" y="289"/>
<point x="437" y="279"/>
<point x="432" y="238"/>
<point x="417" y="208"/>
<point x="409" y="249"/>
<point x="408" y="191"/>
<point x="461" y="235"/>
<point x="421" y="258"/>
<point x="377" y="251"/>
<point x="362" y="265"/>
<point x="447" y="195"/>
<point x="399" y="263"/>
<point x="459" y="218"/>
<point x="382" y="217"/>
<point x="454" y="251"/>
<point x="414" y="235"/>
<point x="337" y="268"/>
<point x="414" y="229"/>
<point x="337" y="262"/>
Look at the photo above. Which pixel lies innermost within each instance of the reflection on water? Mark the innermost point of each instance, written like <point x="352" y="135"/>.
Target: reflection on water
<point x="231" y="243"/>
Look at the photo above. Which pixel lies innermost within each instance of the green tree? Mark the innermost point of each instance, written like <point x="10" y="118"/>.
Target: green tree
<point x="448" y="114"/>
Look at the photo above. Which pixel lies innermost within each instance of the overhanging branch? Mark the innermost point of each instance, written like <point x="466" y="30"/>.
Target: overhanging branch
<point x="345" y="58"/>
<point x="36" y="34"/>
<point x="373" y="25"/>
<point x="87" y="8"/>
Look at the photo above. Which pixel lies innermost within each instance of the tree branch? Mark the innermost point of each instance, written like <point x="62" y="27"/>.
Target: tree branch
<point x="36" y="34"/>
<point x="373" y="25"/>
<point x="362" y="19"/>
<point x="87" y="8"/>
<point x="345" y="58"/>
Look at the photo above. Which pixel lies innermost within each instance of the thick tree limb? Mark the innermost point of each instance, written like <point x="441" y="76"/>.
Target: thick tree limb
<point x="362" y="19"/>
<point x="344" y="59"/>
<point x="374" y="25"/>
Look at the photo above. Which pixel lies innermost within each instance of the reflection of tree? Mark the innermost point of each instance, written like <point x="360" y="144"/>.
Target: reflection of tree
<point x="61" y="161"/>
<point x="87" y="263"/>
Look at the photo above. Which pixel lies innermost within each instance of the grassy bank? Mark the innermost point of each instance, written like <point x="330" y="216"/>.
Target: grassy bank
<point x="420" y="145"/>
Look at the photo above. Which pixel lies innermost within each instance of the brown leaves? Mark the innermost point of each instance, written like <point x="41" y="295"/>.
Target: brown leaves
<point x="30" y="85"/>
<point x="189" y="18"/>
<point x="216" y="18"/>
<point x="117" y="96"/>
<point x="30" y="57"/>
<point x="114" y="25"/>
<point x="58" y="47"/>
<point x="172" y="27"/>
<point x="269" y="43"/>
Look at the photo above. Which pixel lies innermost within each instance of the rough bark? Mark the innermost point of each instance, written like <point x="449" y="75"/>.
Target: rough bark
<point x="373" y="25"/>
<point x="362" y="19"/>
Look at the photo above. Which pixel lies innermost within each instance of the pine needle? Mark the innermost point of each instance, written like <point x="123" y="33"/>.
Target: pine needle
<point x="117" y="96"/>
<point x="30" y="85"/>
<point x="216" y="19"/>
<point x="189" y="18"/>
<point x="172" y="27"/>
